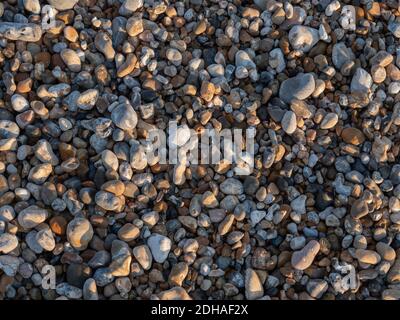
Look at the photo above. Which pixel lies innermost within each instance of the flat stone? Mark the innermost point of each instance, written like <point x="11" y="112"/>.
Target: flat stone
<point x="231" y="186"/>
<point x="299" y="87"/>
<point x="32" y="216"/>
<point x="353" y="136"/>
<point x="28" y="32"/>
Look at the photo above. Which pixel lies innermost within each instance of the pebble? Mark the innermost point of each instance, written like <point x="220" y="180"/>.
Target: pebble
<point x="341" y="54"/>
<point x="71" y="59"/>
<point x="361" y="81"/>
<point x="316" y="82"/>
<point x="159" y="246"/>
<point x="124" y="116"/>
<point x="231" y="186"/>
<point x="303" y="38"/>
<point x="359" y="209"/>
<point x="28" y="32"/>
<point x="367" y="256"/>
<point x="8" y="242"/>
<point x="304" y="258"/>
<point x="19" y="103"/>
<point x="79" y="233"/>
<point x="253" y="285"/>
<point x="32" y="216"/>
<point x="299" y="87"/>
<point x="289" y="122"/>
<point x="143" y="255"/>
<point x="353" y="136"/>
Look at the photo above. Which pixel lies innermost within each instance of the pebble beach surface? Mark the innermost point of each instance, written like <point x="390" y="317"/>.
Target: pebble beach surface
<point x="82" y="82"/>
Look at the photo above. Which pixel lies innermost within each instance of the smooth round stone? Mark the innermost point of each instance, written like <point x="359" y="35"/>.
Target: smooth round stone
<point x="79" y="233"/>
<point x="124" y="117"/>
<point x="289" y="122"/>
<point x="303" y="38"/>
<point x="159" y="246"/>
<point x="329" y="121"/>
<point x="301" y="109"/>
<point x="110" y="160"/>
<point x="39" y="174"/>
<point x="386" y="251"/>
<point x="115" y="187"/>
<point x="299" y="87"/>
<point x="9" y="264"/>
<point x="58" y="224"/>
<point x="297" y="243"/>
<point x="231" y="186"/>
<point x="32" y="216"/>
<point x="46" y="240"/>
<point x="175" y="293"/>
<point x="8" y="242"/>
<point x="378" y="74"/>
<point x="19" y="103"/>
<point x="128" y="66"/>
<point x="174" y="56"/>
<point x="395" y="174"/>
<point x="103" y="44"/>
<point x="71" y="59"/>
<point x="391" y="294"/>
<point x="30" y="240"/>
<point x="87" y="99"/>
<point x="303" y="258"/>
<point x="353" y="136"/>
<point x="130" y="6"/>
<point x="128" y="232"/>
<point x="107" y="201"/>
<point x="367" y="256"/>
<point x="71" y="34"/>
